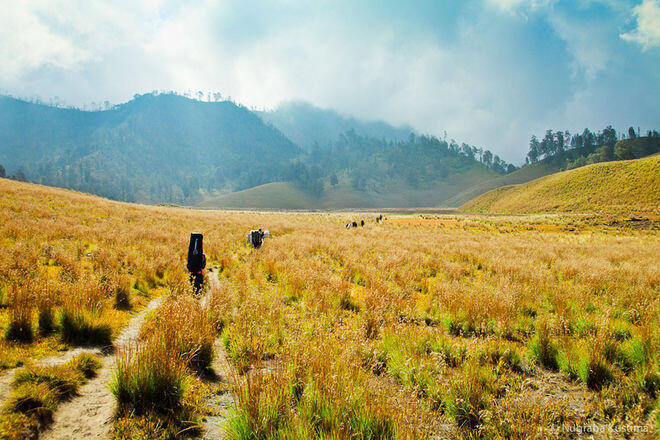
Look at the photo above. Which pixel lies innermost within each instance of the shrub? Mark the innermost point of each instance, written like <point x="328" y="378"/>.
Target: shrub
<point x="468" y="397"/>
<point x="595" y="372"/>
<point x="19" y="327"/>
<point x="34" y="399"/>
<point x="87" y="364"/>
<point x="150" y="378"/>
<point x="46" y="320"/>
<point x="123" y="294"/>
<point x="61" y="379"/>
<point x="80" y="327"/>
<point x="542" y="349"/>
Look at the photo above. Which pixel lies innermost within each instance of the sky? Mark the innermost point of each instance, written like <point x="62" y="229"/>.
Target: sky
<point x="487" y="72"/>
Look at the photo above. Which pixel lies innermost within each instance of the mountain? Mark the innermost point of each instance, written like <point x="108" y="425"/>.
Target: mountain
<point x="155" y="148"/>
<point x="343" y="195"/>
<point x="165" y="148"/>
<point x="362" y="172"/>
<point x="608" y="187"/>
<point x="310" y="126"/>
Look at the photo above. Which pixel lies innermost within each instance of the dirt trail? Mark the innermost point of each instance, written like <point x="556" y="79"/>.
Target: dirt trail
<point x="7" y="378"/>
<point x="89" y="415"/>
<point x="220" y="403"/>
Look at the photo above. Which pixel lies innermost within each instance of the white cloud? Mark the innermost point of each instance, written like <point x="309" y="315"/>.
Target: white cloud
<point x="647" y="33"/>
<point x="513" y="6"/>
<point x="485" y="84"/>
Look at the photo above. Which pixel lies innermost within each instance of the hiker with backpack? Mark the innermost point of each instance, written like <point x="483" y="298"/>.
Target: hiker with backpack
<point x="256" y="238"/>
<point x="196" y="261"/>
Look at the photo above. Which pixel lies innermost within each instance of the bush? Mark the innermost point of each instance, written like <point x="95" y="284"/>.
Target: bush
<point x="34" y="399"/>
<point x="19" y="330"/>
<point x="543" y="350"/>
<point x="82" y="328"/>
<point x="61" y="379"/>
<point x="46" y="319"/>
<point x="468" y="398"/>
<point x="123" y="295"/>
<point x="150" y="379"/>
<point x="595" y="372"/>
<point x="87" y="364"/>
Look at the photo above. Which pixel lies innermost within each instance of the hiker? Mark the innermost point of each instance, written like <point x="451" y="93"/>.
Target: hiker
<point x="355" y="224"/>
<point x="256" y="238"/>
<point x="196" y="261"/>
<point x="362" y="223"/>
<point x="348" y="225"/>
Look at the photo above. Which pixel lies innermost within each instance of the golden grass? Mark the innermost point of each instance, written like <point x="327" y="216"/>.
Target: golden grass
<point x="622" y="187"/>
<point x="403" y="330"/>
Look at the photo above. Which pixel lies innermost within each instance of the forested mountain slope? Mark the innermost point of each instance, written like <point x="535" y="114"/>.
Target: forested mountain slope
<point x="155" y="148"/>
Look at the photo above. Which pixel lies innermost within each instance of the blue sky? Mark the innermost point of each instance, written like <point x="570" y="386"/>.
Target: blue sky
<point x="488" y="72"/>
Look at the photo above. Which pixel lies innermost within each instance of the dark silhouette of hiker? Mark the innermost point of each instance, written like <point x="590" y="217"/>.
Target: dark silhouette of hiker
<point x="196" y="261"/>
<point x="257" y="237"/>
<point x="362" y="223"/>
<point x="355" y="224"/>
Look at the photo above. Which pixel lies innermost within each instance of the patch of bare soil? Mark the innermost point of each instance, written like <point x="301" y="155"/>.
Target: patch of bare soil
<point x="90" y="414"/>
<point x="221" y="402"/>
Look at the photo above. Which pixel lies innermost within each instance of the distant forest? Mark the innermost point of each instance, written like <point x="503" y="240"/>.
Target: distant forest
<point x="588" y="147"/>
<point x="164" y="147"/>
<point x="371" y="163"/>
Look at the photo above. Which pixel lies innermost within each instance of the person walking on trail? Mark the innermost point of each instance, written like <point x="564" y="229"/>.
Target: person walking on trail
<point x="196" y="261"/>
<point x="362" y="223"/>
<point x="256" y="237"/>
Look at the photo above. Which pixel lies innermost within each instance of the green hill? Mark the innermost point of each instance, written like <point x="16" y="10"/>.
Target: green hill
<point x="276" y="195"/>
<point x="281" y="195"/>
<point x="609" y="187"/>
<point x="155" y="148"/>
<point x="522" y="175"/>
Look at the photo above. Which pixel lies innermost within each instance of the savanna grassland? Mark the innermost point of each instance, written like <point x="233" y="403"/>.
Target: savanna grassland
<point x="422" y="327"/>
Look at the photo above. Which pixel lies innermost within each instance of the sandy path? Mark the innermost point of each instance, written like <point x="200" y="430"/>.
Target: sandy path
<point x="90" y="415"/>
<point x="220" y="403"/>
<point x="7" y="378"/>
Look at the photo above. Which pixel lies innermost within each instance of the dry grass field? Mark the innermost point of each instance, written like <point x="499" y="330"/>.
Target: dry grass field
<point x="422" y="327"/>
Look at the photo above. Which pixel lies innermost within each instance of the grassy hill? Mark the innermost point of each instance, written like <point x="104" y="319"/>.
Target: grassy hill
<point x="522" y="175"/>
<point x="285" y="195"/>
<point x="276" y="195"/>
<point x="609" y="187"/>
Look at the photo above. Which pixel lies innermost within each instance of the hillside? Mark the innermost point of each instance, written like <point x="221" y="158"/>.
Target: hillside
<point x="522" y="175"/>
<point x="287" y="195"/>
<point x="609" y="187"/>
<point x="310" y="126"/>
<point x="155" y="148"/>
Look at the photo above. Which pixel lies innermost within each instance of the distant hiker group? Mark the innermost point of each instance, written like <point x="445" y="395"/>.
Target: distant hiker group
<point x="355" y="224"/>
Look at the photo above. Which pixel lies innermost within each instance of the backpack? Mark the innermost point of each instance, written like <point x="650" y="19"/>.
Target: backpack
<point x="196" y="257"/>
<point x="256" y="238"/>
